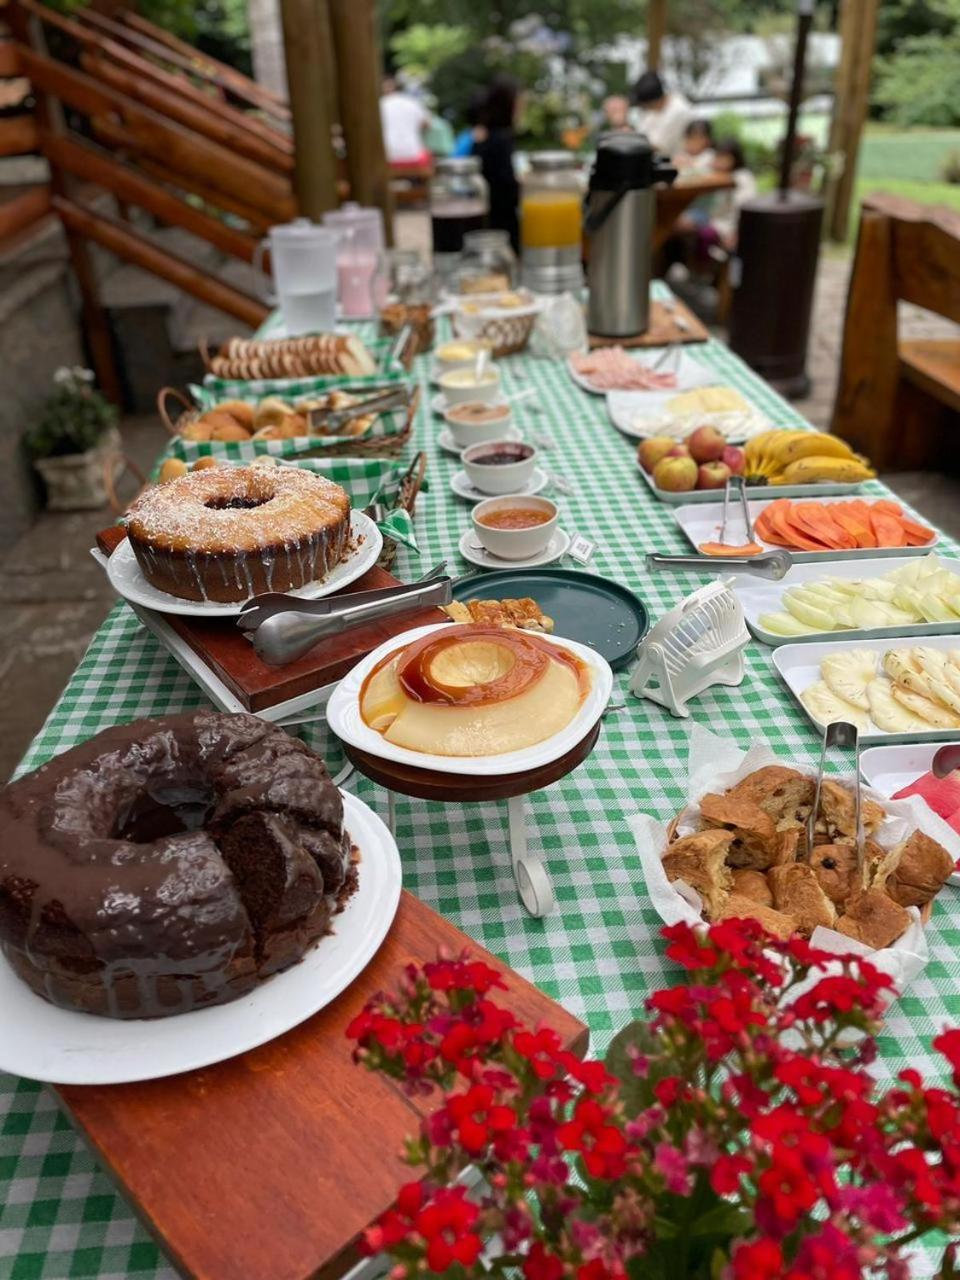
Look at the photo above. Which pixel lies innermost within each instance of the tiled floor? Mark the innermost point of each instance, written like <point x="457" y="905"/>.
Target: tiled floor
<point x="55" y="595"/>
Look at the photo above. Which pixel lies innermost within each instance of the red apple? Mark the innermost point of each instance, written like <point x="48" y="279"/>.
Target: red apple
<point x="651" y="451"/>
<point x="706" y="444"/>
<point x="676" y="475"/>
<point x="679" y="451"/>
<point x="733" y="457"/>
<point x="713" y="475"/>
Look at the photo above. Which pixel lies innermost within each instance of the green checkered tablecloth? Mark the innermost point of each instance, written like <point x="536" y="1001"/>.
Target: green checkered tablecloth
<point x="598" y="953"/>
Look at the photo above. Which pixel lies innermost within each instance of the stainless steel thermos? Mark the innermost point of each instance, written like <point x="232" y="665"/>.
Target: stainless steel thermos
<point x="620" y="217"/>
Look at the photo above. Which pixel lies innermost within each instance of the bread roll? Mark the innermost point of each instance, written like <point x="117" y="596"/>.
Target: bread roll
<point x="797" y="893"/>
<point x="700" y="861"/>
<point x="874" y="919"/>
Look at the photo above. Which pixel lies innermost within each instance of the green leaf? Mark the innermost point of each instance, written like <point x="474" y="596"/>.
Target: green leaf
<point x="636" y="1092"/>
<point x="724" y="1219"/>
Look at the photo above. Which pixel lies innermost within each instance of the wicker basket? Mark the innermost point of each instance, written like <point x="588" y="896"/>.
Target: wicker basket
<point x="365" y="446"/>
<point x="507" y="330"/>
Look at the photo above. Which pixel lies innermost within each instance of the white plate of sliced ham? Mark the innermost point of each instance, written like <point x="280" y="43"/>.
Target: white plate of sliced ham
<point x="615" y="369"/>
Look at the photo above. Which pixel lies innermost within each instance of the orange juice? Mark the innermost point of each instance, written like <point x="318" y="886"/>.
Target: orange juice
<point x="550" y="219"/>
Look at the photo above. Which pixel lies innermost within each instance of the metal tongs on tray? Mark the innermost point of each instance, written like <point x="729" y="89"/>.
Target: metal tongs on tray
<point x="761" y="564"/>
<point x="840" y="734"/>
<point x="284" y="627"/>
<point x="330" y="422"/>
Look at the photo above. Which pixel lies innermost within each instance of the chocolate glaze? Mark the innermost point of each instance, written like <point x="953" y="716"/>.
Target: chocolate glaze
<point x="169" y="864"/>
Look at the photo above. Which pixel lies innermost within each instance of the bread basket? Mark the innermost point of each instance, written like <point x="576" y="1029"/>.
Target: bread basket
<point x="385" y="438"/>
<point x="507" y="329"/>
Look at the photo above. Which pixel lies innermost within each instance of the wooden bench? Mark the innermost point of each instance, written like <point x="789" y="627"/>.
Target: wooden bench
<point x="898" y="400"/>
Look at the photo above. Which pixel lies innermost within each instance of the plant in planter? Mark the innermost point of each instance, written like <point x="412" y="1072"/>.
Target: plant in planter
<point x="73" y="442"/>
<point x="738" y="1135"/>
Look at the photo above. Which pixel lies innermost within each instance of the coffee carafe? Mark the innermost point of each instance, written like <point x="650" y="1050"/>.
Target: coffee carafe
<point x="620" y="217"/>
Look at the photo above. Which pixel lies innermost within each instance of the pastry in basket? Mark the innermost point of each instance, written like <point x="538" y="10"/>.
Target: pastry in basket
<point x="470" y="690"/>
<point x="750" y="858"/>
<point x="228" y="533"/>
<point x="524" y="613"/>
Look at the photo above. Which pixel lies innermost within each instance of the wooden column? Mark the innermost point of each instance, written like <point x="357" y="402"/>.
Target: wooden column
<point x="656" y="30"/>
<point x="308" y="50"/>
<point x="354" y="24"/>
<point x="858" y="36"/>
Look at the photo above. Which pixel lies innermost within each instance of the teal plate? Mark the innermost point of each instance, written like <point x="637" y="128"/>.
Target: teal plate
<point x="591" y="610"/>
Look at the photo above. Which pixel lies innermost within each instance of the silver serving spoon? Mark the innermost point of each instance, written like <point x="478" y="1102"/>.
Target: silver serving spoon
<point x="769" y="564"/>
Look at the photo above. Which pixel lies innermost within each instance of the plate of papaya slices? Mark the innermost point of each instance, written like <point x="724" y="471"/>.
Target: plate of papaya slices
<point x="817" y="528"/>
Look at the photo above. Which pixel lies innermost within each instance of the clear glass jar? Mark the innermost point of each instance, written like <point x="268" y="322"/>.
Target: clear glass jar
<point x="459" y="203"/>
<point x="488" y="263"/>
<point x="551" y="206"/>
<point x="411" y="279"/>
<point x="551" y="222"/>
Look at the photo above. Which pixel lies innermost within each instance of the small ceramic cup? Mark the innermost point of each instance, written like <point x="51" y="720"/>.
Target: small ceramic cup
<point x="460" y="385"/>
<point x="475" y="421"/>
<point x="499" y="477"/>
<point x="515" y="544"/>
<point x="458" y="354"/>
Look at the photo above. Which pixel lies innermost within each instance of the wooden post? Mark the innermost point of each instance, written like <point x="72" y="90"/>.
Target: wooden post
<point x="354" y="24"/>
<point x="656" y="30"/>
<point x="858" y="35"/>
<point x="308" y="50"/>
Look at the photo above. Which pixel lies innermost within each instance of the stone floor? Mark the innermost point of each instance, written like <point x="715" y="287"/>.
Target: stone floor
<point x="56" y="596"/>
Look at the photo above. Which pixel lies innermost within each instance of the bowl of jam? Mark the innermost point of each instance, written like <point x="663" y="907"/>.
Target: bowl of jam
<point x="517" y="527"/>
<point x="499" y="466"/>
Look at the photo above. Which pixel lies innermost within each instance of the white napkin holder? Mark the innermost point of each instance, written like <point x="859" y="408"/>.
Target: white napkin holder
<point x="694" y="646"/>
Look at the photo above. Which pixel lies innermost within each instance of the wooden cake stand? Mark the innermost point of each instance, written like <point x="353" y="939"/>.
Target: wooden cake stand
<point x="532" y="880"/>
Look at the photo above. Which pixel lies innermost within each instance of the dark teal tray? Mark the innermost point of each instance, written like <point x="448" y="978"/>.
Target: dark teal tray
<point x="594" y="611"/>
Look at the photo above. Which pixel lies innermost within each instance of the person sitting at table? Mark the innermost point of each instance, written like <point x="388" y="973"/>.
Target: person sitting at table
<point x="405" y="122"/>
<point x="705" y="236"/>
<point x="696" y="154"/>
<point x="724" y="217"/>
<point x="661" y="115"/>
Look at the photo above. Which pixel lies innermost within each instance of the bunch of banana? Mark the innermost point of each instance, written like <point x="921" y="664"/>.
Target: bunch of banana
<point x="802" y="457"/>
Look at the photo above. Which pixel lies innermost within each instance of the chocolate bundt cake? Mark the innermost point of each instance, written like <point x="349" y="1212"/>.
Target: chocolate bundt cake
<point x="169" y="864"/>
<point x="228" y="533"/>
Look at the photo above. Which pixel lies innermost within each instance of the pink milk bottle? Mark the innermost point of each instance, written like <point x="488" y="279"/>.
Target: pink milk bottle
<point x="361" y="261"/>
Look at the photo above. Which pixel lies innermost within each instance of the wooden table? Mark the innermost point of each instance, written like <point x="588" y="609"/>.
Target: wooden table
<point x="270" y="1165"/>
<point x="672" y="201"/>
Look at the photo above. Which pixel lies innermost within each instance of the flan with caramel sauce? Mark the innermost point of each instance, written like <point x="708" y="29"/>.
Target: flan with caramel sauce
<point x="473" y="690"/>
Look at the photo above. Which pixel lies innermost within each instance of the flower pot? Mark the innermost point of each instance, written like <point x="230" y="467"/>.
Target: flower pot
<point x="77" y="481"/>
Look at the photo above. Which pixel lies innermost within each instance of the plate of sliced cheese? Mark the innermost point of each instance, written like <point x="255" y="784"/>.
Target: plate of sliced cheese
<point x="678" y="414"/>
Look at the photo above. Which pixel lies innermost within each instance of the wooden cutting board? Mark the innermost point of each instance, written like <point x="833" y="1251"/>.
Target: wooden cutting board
<point x="663" y="329"/>
<point x="270" y="1165"/>
<point x="258" y="686"/>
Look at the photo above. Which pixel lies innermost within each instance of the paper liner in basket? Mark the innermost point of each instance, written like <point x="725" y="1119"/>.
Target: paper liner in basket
<point x="716" y="764"/>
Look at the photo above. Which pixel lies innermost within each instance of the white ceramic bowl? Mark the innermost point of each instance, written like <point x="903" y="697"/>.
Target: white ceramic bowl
<point x="460" y="385"/>
<point x="467" y="433"/>
<point x="515" y="544"/>
<point x="457" y="354"/>
<point x="510" y="477"/>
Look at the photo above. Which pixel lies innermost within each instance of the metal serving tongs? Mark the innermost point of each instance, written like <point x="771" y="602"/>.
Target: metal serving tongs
<point x="331" y="421"/>
<point x="844" y="735"/>
<point x="283" y="627"/>
<point x="769" y="564"/>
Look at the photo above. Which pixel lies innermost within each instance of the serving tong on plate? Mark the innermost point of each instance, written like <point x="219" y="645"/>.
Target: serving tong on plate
<point x="769" y="564"/>
<point x="331" y="421"/>
<point x="840" y="734"/>
<point x="284" y="627"/>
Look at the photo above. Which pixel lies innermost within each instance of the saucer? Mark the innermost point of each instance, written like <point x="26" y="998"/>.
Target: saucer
<point x="556" y="547"/>
<point x="446" y="442"/>
<point x="462" y="487"/>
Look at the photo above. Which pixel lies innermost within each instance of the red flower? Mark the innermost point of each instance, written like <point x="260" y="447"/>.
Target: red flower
<point x="602" y="1145"/>
<point x="669" y="1089"/>
<point x="444" y="1223"/>
<point x="477" y="1119"/>
<point x="540" y="1048"/>
<point x="541" y="1265"/>
<point x="593" y="1075"/>
<point x="761" y="1260"/>
<point x="948" y="1043"/>
<point x="395" y="1225"/>
<point x="686" y="947"/>
<point x="462" y="975"/>
<point x="726" y="1173"/>
<point x="786" y="1189"/>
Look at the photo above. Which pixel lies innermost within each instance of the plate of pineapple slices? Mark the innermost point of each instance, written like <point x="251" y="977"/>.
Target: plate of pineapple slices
<point x="855" y="600"/>
<point x="907" y="690"/>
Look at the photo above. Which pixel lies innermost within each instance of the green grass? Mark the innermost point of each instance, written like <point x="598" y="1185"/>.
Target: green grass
<point x="910" y="155"/>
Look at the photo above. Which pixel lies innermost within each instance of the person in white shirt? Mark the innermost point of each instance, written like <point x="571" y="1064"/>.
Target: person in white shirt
<point x="696" y="154"/>
<point x="728" y="159"/>
<point x="404" y="121"/>
<point x="660" y="115"/>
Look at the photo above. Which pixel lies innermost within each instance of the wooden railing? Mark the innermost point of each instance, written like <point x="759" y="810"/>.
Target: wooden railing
<point x="23" y="204"/>
<point x="130" y="110"/>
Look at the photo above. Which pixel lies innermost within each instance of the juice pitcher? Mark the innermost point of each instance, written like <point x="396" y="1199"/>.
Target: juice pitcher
<point x="361" y="260"/>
